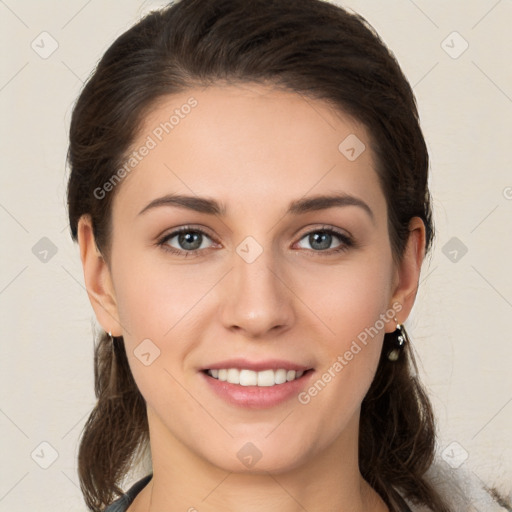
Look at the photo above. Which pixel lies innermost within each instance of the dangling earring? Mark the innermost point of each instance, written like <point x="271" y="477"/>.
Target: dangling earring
<point x="113" y="366"/>
<point x="112" y="347"/>
<point x="399" y="339"/>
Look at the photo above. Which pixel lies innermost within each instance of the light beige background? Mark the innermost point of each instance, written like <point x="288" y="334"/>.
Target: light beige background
<point x="460" y="325"/>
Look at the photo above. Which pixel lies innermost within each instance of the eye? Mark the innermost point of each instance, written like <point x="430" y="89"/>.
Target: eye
<point x="322" y="239"/>
<point x="188" y="242"/>
<point x="185" y="241"/>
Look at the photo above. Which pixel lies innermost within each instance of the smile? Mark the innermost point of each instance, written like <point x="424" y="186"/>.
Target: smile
<point x="264" y="378"/>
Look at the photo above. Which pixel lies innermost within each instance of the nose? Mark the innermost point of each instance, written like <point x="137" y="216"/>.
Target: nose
<point x="257" y="299"/>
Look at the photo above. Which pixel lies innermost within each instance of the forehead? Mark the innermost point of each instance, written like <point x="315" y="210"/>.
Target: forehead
<point x="250" y="144"/>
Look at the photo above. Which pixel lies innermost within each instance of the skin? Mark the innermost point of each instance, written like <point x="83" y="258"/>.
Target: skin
<point x="254" y="149"/>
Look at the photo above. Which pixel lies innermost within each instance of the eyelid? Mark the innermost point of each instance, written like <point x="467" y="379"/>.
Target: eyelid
<point x="344" y="236"/>
<point x="185" y="228"/>
<point x="163" y="239"/>
<point x="346" y="240"/>
<point x="313" y="228"/>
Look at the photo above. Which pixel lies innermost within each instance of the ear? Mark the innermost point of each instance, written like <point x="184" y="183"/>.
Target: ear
<point x="98" y="282"/>
<point x="408" y="271"/>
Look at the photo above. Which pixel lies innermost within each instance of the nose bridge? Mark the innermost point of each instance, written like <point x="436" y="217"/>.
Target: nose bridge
<point x="257" y="298"/>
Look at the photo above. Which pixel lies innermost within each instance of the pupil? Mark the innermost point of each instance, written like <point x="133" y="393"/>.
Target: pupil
<point x="187" y="239"/>
<point x="323" y="238"/>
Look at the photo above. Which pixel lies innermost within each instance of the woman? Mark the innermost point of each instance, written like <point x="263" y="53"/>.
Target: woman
<point x="249" y="191"/>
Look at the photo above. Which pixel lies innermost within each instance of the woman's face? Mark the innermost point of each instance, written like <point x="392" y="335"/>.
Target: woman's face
<point x="266" y="278"/>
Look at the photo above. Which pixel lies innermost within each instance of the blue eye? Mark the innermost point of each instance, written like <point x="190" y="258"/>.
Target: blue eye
<point x="188" y="241"/>
<point x="321" y="239"/>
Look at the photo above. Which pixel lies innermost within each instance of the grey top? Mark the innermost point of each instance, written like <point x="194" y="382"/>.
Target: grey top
<point x="124" y="501"/>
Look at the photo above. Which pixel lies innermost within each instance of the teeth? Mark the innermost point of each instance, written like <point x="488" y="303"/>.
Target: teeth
<point x="280" y="376"/>
<point x="247" y="378"/>
<point x="233" y="376"/>
<point x="265" y="378"/>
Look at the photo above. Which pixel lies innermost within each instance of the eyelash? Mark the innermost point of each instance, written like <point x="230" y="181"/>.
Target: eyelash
<point x="346" y="241"/>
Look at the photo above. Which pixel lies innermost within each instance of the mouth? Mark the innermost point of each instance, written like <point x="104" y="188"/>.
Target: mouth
<point x="257" y="385"/>
<point x="262" y="378"/>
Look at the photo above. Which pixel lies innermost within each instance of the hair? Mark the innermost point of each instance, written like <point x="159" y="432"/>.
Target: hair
<point x="312" y="48"/>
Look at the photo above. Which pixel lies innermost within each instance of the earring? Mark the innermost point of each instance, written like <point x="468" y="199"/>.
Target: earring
<point x="112" y="343"/>
<point x="112" y="381"/>
<point x="400" y="338"/>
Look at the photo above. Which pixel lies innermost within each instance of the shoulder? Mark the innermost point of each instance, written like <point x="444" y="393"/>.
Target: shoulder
<point x="124" y="501"/>
<point x="462" y="490"/>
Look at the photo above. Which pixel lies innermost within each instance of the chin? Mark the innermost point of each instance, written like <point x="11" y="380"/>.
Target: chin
<point x="261" y="456"/>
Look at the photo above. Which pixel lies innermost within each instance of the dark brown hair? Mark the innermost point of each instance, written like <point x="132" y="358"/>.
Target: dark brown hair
<point x="321" y="52"/>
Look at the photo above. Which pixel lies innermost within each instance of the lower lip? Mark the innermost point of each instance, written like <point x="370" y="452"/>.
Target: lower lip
<point x="257" y="397"/>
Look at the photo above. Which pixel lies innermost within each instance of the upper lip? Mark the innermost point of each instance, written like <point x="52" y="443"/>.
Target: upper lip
<point x="257" y="366"/>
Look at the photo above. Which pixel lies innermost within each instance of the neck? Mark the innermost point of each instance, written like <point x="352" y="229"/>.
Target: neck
<point x="182" y="481"/>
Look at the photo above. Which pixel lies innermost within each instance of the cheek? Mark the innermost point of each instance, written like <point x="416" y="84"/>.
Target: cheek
<point x="161" y="310"/>
<point x="349" y="299"/>
<point x="153" y="300"/>
<point x="354" y="308"/>
<point x="155" y="306"/>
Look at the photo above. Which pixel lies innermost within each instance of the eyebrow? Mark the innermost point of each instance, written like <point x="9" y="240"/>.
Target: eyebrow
<point x="297" y="207"/>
